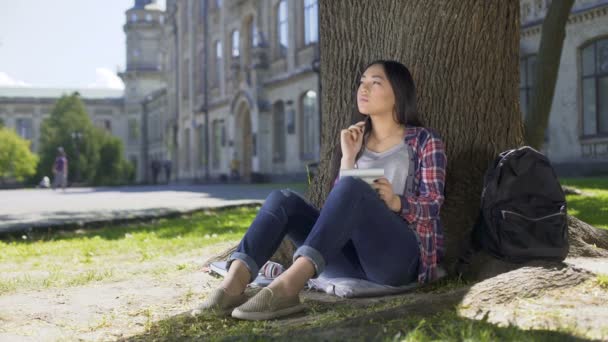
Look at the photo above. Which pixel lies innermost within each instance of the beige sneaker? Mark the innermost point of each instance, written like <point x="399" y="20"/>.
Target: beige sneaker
<point x="219" y="302"/>
<point x="265" y="305"/>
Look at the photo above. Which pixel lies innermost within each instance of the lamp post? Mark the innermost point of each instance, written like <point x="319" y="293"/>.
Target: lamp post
<point x="77" y="137"/>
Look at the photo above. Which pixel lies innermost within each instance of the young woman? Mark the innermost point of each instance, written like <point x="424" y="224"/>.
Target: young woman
<point x="389" y="233"/>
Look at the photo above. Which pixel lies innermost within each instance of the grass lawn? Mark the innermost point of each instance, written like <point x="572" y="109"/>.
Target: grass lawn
<point x="592" y="205"/>
<point x="117" y="253"/>
<point x="78" y="258"/>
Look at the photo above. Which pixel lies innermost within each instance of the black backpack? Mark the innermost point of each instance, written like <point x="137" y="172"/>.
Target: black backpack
<point x="523" y="213"/>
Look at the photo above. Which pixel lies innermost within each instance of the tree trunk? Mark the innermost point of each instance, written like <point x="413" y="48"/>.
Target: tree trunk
<point x="549" y="55"/>
<point x="463" y="56"/>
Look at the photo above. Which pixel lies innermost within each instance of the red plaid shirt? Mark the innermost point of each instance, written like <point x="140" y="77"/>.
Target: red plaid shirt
<point x="423" y="206"/>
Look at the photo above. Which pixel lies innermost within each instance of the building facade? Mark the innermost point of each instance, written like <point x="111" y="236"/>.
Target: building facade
<point x="246" y="87"/>
<point x="144" y="76"/>
<point x="215" y="86"/>
<point x="577" y="135"/>
<point x="24" y="109"/>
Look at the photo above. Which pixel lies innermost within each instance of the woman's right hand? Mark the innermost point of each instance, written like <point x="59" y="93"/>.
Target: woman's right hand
<point x="351" y="140"/>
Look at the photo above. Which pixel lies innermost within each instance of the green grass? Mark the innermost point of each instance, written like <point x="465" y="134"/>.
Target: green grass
<point x="331" y="322"/>
<point x="592" y="206"/>
<point x="602" y="280"/>
<point x="78" y="258"/>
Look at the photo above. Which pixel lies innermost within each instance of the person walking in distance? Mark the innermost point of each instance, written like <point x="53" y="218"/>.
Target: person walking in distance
<point x="60" y="169"/>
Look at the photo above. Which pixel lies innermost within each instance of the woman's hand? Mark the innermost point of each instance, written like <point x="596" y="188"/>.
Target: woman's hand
<point x="385" y="190"/>
<point x="351" y="140"/>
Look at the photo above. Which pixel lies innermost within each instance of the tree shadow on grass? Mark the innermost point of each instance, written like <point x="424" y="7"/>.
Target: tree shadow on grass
<point x="201" y="223"/>
<point x="417" y="316"/>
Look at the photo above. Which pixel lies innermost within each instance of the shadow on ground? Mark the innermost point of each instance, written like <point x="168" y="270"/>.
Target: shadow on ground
<point x="417" y="316"/>
<point x="212" y="221"/>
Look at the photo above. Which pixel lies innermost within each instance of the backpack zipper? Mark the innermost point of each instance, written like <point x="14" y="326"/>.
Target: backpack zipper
<point x="503" y="212"/>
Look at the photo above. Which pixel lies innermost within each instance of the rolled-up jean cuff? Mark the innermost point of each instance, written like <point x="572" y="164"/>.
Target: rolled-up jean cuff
<point x="247" y="260"/>
<point x="314" y="256"/>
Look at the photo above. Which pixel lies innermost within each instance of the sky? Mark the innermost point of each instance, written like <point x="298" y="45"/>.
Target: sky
<point x="62" y="43"/>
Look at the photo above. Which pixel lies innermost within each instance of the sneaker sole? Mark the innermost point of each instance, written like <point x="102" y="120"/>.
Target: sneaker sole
<point x="262" y="316"/>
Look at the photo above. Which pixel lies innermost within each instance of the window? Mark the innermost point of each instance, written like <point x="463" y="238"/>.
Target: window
<point x="218" y="4"/>
<point x="218" y="62"/>
<point x="282" y="30"/>
<point x="24" y="128"/>
<point x="133" y="160"/>
<point x="161" y="19"/>
<point x="254" y="34"/>
<point x="202" y="147"/>
<point x="185" y="79"/>
<point x="594" y="79"/>
<point x="527" y="74"/>
<point x="278" y="132"/>
<point x="311" y="12"/>
<point x="201" y="10"/>
<point x="235" y="43"/>
<point x="148" y="17"/>
<point x="308" y="127"/>
<point x="134" y="17"/>
<point x="187" y="148"/>
<point x="217" y="143"/>
<point x="104" y="124"/>
<point x="133" y="131"/>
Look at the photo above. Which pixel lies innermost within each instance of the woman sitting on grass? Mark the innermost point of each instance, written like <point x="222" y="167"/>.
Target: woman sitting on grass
<point x="388" y="233"/>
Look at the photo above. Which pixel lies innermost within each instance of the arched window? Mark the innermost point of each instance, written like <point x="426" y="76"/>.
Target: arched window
<point x="235" y="43"/>
<point x="218" y="62"/>
<point x="282" y="29"/>
<point x="278" y="132"/>
<point x="254" y="33"/>
<point x="527" y="74"/>
<point x="309" y="130"/>
<point x="311" y="30"/>
<point x="594" y="85"/>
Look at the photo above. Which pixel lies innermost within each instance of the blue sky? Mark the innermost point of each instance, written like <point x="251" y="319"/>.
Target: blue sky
<point x="62" y="43"/>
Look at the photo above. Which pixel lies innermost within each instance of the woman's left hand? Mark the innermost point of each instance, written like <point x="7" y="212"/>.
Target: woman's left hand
<point x="385" y="190"/>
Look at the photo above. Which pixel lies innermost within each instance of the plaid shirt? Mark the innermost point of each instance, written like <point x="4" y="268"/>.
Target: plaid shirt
<point x="423" y="206"/>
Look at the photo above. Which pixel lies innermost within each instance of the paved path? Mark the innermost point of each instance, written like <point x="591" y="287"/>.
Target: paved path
<point x="21" y="210"/>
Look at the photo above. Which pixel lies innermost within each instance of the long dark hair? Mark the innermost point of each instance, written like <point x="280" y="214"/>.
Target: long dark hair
<point x="406" y="111"/>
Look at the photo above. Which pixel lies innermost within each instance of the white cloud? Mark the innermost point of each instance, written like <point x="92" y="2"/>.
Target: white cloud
<point x="7" y="81"/>
<point x="106" y="78"/>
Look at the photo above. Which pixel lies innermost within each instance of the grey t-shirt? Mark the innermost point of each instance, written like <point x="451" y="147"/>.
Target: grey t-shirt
<point x="395" y="162"/>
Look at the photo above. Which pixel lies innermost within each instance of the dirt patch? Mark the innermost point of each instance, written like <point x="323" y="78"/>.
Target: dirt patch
<point x="111" y="310"/>
<point x="105" y="310"/>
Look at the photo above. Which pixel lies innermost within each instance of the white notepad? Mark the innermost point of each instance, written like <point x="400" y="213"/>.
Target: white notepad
<point x="367" y="175"/>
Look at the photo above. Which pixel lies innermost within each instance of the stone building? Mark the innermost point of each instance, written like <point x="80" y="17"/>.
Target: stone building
<point x="210" y="82"/>
<point x="143" y="77"/>
<point x="23" y="109"/>
<point x="577" y="136"/>
<point x="256" y="61"/>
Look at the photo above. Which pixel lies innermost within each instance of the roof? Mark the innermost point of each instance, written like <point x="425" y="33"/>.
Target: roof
<point x="35" y="92"/>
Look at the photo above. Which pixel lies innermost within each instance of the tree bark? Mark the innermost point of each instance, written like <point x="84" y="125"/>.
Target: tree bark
<point x="463" y="56"/>
<point x="549" y="55"/>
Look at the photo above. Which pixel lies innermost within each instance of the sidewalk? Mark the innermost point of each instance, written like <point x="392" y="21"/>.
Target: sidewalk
<point x="23" y="210"/>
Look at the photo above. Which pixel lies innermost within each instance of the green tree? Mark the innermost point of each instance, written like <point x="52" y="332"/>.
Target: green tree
<point x="70" y="127"/>
<point x="94" y="156"/>
<point x="16" y="159"/>
<point x="113" y="169"/>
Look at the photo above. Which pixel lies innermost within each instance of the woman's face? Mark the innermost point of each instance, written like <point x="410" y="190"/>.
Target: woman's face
<point x="375" y="94"/>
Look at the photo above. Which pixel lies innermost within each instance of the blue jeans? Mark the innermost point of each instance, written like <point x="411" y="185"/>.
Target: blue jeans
<point x="354" y="235"/>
